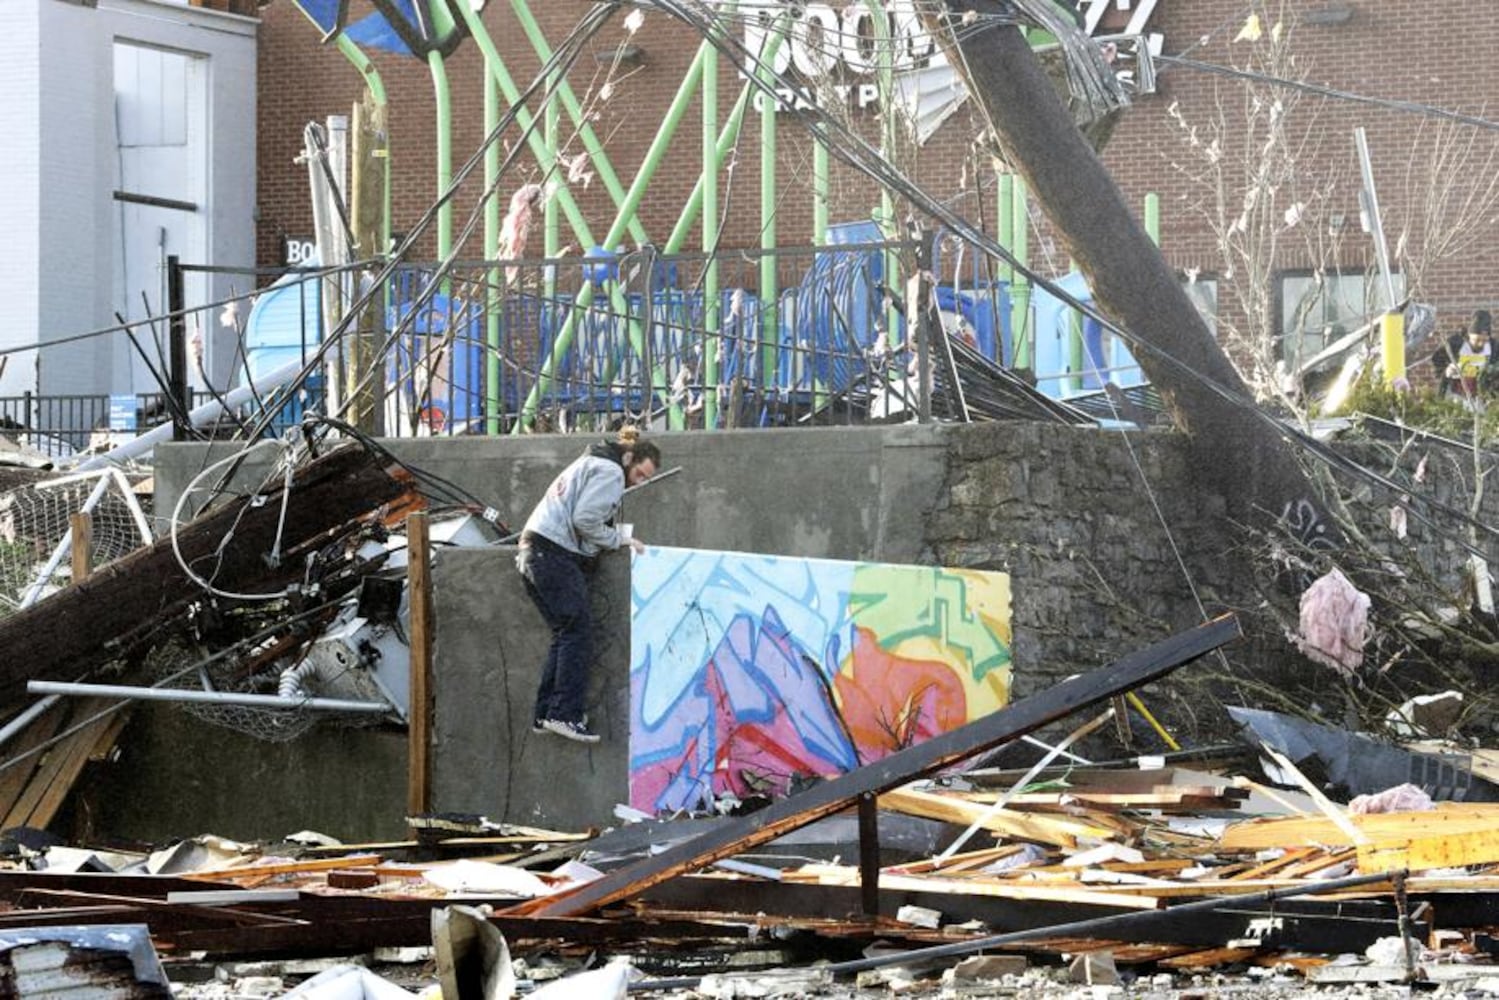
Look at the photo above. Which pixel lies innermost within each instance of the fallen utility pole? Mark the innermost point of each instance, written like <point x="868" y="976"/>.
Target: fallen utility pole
<point x="92" y="622"/>
<point x="1130" y="278"/>
<point x="861" y="786"/>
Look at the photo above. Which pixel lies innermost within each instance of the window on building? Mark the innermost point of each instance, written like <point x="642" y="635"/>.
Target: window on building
<point x="1318" y="309"/>
<point x="1202" y="289"/>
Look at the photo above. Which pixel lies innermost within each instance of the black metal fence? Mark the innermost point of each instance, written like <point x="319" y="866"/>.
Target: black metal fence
<point x="63" y="426"/>
<point x="750" y="338"/>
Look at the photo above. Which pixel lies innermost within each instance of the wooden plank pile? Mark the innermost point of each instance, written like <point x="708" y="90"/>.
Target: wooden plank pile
<point x="1160" y="867"/>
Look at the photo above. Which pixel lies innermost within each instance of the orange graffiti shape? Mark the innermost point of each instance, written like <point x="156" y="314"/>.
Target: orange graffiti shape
<point x="889" y="702"/>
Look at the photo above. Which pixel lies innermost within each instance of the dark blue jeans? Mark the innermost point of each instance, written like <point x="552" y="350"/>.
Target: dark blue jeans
<point x="555" y="580"/>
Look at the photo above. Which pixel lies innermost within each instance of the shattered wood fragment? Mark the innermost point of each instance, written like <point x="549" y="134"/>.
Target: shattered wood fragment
<point x="284" y="868"/>
<point x="1054" y="830"/>
<point x="1057" y="892"/>
<point x="1164" y="799"/>
<point x="1209" y="958"/>
<point x="58" y="769"/>
<point x="957" y="862"/>
<point x="1440" y="850"/>
<point x="353" y="878"/>
<point x="1448" y="818"/>
<point x="898" y="769"/>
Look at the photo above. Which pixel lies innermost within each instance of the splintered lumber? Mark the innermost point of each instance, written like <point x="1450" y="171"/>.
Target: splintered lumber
<point x="1059" y="831"/>
<point x="1378" y="828"/>
<point x="1166" y="798"/>
<point x="966" y="861"/>
<point x="57" y="769"/>
<point x="1439" y="850"/>
<point x="1052" y="892"/>
<point x="1208" y="958"/>
<point x="284" y="868"/>
<point x="846" y="790"/>
<point x="1334" y="812"/>
<point x="80" y="627"/>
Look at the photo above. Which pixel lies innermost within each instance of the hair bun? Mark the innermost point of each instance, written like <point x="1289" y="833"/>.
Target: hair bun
<point x="629" y="435"/>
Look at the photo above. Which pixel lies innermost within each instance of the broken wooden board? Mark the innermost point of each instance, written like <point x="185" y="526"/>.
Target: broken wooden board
<point x="53" y="772"/>
<point x="1058" y="892"/>
<point x="899" y="768"/>
<point x="1059" y="831"/>
<point x="1294" y="831"/>
<point x="1439" y="850"/>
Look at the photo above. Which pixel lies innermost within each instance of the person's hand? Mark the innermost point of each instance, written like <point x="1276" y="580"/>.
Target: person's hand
<point x="1452" y="371"/>
<point x="637" y="546"/>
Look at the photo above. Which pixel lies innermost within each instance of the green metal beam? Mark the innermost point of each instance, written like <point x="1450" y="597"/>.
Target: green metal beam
<point x="523" y="117"/>
<point x="492" y="300"/>
<point x="1020" y="288"/>
<point x="769" y="287"/>
<point x="653" y="159"/>
<point x="708" y="179"/>
<point x="595" y="149"/>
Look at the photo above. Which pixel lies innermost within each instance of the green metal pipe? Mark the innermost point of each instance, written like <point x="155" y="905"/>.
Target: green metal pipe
<point x="443" y="97"/>
<point x="709" y="182"/>
<point x="820" y="191"/>
<point x="361" y="62"/>
<point x="1153" y="217"/>
<point x="1020" y="289"/>
<point x="727" y="138"/>
<point x="631" y="203"/>
<point x="885" y="46"/>
<point x="1005" y="236"/>
<point x="552" y="136"/>
<point x="769" y="287"/>
<point x="537" y="143"/>
<point x="595" y="149"/>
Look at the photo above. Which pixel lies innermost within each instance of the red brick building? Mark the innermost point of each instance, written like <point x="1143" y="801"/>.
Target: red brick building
<point x="1380" y="65"/>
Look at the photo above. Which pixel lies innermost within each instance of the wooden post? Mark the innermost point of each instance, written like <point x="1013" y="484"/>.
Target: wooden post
<point x="419" y="715"/>
<point x="81" y="524"/>
<point x="919" y="321"/>
<point x="368" y="157"/>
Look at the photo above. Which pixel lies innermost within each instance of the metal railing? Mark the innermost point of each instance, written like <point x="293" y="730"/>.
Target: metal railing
<point x="750" y="338"/>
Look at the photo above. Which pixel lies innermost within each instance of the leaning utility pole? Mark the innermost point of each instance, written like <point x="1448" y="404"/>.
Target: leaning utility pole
<point x="1237" y="454"/>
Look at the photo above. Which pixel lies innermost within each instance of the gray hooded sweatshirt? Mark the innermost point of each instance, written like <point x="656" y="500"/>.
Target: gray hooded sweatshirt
<point x="581" y="505"/>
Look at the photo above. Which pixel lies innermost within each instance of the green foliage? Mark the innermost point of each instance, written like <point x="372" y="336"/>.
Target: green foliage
<point x="1424" y="409"/>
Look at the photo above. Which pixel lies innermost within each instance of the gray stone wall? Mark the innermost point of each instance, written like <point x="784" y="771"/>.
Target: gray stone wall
<point x="1108" y="544"/>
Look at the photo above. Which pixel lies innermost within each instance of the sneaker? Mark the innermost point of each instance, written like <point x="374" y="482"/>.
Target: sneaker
<point x="538" y="726"/>
<point x="576" y="731"/>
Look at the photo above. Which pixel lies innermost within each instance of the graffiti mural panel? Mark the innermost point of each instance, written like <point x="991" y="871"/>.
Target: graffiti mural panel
<point x="750" y="673"/>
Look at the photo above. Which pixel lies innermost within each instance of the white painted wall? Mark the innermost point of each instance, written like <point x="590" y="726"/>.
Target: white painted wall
<point x="20" y="190"/>
<point x="61" y="269"/>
